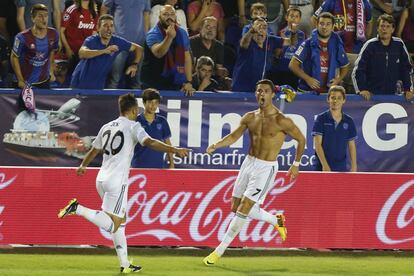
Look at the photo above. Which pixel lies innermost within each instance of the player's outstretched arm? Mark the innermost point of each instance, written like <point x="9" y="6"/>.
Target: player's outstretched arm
<point x="92" y="153"/>
<point x="163" y="147"/>
<point x="293" y="131"/>
<point x="231" y="138"/>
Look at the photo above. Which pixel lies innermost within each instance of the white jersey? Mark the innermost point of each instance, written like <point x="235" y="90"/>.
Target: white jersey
<point x="117" y="139"/>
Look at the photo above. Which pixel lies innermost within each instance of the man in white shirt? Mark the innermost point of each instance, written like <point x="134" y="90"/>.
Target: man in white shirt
<point x="116" y="140"/>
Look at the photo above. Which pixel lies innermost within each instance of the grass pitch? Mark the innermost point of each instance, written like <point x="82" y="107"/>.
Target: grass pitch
<point x="73" y="262"/>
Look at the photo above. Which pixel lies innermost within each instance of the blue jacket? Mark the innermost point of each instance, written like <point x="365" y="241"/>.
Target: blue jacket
<point x="378" y="67"/>
<point x="309" y="55"/>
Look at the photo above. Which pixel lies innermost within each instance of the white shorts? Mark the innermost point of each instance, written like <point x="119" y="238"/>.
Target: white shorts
<point x="255" y="179"/>
<point x="114" y="198"/>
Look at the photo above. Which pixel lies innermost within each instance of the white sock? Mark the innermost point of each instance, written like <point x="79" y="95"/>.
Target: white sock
<point x="235" y="226"/>
<point x="258" y="213"/>
<point x="99" y="218"/>
<point x="121" y="247"/>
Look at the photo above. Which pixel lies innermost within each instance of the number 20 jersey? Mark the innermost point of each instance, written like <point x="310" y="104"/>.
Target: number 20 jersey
<point x="117" y="140"/>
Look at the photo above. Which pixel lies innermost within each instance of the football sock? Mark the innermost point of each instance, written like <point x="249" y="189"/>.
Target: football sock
<point x="99" y="218"/>
<point x="258" y="213"/>
<point x="235" y="226"/>
<point x="121" y="247"/>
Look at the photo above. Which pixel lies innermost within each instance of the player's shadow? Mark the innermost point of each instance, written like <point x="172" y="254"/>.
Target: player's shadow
<point x="255" y="272"/>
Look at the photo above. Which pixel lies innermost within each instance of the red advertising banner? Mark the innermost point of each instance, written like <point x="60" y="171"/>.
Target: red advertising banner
<point x="192" y="208"/>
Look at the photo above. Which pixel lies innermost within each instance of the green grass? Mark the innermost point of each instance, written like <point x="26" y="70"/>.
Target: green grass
<point x="182" y="262"/>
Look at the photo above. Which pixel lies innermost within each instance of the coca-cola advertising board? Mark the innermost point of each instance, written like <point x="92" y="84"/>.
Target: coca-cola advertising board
<point x="192" y="208"/>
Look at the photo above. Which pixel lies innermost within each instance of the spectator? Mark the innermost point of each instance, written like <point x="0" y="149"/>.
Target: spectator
<point x="202" y="78"/>
<point x="206" y="44"/>
<point x="167" y="61"/>
<point x="306" y="8"/>
<point x="181" y="18"/>
<point x="292" y="38"/>
<point x="157" y="127"/>
<point x="132" y="21"/>
<point x="78" y="22"/>
<point x="317" y="59"/>
<point x="61" y="72"/>
<point x="4" y="62"/>
<point x="255" y="56"/>
<point x="406" y="27"/>
<point x="334" y="134"/>
<point x="257" y="10"/>
<point x="380" y="7"/>
<point x="33" y="51"/>
<point x="24" y="18"/>
<point x="354" y="24"/>
<point x="199" y="9"/>
<point x="98" y="53"/>
<point x="383" y="64"/>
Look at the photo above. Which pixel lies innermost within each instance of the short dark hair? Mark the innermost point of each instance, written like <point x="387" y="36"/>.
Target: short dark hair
<point x="294" y="8"/>
<point x="337" y="88"/>
<point x="258" y="6"/>
<point x="36" y="8"/>
<point x="327" y="15"/>
<point x="126" y="102"/>
<point x="150" y="94"/>
<point x="204" y="60"/>
<point x="387" y="18"/>
<point x="266" y="81"/>
<point x="104" y="17"/>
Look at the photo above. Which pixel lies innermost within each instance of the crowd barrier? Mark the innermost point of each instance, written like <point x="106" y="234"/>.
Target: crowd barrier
<point x="192" y="208"/>
<point x="68" y="120"/>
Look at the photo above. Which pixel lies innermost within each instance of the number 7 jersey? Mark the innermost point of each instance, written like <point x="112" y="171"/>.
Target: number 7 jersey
<point x="117" y="140"/>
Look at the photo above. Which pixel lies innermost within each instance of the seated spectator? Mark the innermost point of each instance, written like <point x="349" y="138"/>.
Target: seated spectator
<point x="199" y="9"/>
<point x="24" y="17"/>
<point x="4" y="62"/>
<point x="255" y="56"/>
<point x="78" y="22"/>
<point x="353" y="24"/>
<point x="257" y="10"/>
<point x="157" y="127"/>
<point x="292" y="37"/>
<point x="383" y="63"/>
<point x="98" y="53"/>
<point x="206" y="44"/>
<point x="167" y="61"/>
<point x="306" y="8"/>
<point x="131" y="20"/>
<point x="318" y="58"/>
<point x="61" y="72"/>
<point x="406" y="27"/>
<point x="33" y="50"/>
<point x="155" y="13"/>
<point x="202" y="79"/>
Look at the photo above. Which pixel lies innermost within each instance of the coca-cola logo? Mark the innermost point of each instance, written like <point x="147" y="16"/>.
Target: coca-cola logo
<point x="401" y="205"/>
<point x="3" y="184"/>
<point x="205" y="214"/>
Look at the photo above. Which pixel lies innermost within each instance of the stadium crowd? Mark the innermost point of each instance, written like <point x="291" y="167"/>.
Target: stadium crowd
<point x="208" y="45"/>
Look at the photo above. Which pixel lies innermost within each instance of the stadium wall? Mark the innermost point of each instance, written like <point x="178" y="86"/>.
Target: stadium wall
<point x="192" y="208"/>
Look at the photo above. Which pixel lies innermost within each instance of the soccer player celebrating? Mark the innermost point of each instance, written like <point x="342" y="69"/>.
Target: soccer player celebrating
<point x="116" y="140"/>
<point x="267" y="129"/>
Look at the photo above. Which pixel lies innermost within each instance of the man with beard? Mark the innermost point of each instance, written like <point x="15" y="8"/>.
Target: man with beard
<point x="255" y="56"/>
<point x="206" y="44"/>
<point x="167" y="61"/>
<point x="98" y="53"/>
<point x="267" y="128"/>
<point x="317" y="58"/>
<point x="383" y="64"/>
